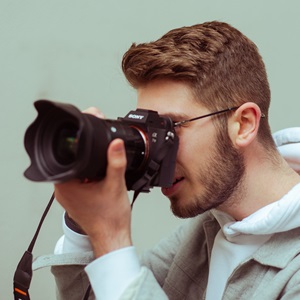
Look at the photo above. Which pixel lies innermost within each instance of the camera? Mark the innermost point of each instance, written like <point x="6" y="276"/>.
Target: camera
<point x="64" y="143"/>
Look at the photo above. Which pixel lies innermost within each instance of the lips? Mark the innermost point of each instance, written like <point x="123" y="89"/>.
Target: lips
<point x="177" y="180"/>
<point x="174" y="188"/>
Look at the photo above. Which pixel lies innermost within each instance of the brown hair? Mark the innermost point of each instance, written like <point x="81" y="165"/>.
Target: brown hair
<point x="221" y="65"/>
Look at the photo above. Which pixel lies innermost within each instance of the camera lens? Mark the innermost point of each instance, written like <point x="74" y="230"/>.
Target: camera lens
<point x="65" y="144"/>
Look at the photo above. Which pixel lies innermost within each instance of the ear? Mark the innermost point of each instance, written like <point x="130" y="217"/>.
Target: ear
<point x="243" y="125"/>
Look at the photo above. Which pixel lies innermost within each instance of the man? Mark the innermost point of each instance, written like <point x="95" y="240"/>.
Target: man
<point x="242" y="241"/>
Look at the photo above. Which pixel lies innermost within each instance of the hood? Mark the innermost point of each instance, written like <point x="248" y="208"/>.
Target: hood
<point x="288" y="144"/>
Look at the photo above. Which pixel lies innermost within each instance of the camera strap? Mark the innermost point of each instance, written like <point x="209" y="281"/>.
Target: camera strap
<point x="23" y="273"/>
<point x="145" y="182"/>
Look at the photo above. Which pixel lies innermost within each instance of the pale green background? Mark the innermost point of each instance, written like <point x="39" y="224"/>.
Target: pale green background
<point x="71" y="51"/>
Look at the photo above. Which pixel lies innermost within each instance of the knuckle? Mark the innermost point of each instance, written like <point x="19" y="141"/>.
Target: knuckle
<point x="94" y="111"/>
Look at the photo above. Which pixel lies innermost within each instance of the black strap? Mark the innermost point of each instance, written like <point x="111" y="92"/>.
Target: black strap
<point x="87" y="293"/>
<point x="22" y="277"/>
<point x="23" y="273"/>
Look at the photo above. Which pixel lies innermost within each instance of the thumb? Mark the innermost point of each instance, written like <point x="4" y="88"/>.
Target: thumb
<point x="116" y="156"/>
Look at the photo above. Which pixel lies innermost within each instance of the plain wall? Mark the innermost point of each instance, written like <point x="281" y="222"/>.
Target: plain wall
<point x="70" y="51"/>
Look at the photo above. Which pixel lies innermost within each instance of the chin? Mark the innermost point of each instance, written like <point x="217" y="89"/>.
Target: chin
<point x="183" y="208"/>
<point x="185" y="212"/>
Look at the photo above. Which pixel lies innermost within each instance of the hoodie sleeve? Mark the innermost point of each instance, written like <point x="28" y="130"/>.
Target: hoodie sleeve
<point x="288" y="144"/>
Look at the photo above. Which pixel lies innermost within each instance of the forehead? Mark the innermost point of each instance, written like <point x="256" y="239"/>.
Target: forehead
<point x="169" y="98"/>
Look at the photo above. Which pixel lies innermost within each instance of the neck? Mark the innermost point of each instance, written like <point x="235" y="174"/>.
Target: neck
<point x="265" y="181"/>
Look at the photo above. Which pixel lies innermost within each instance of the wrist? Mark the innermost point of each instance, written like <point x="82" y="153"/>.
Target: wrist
<point x="103" y="244"/>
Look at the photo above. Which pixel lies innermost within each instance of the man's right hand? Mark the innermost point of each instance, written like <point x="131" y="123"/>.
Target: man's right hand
<point x="101" y="208"/>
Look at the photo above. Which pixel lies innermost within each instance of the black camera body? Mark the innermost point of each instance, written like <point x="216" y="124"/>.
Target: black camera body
<point x="64" y="143"/>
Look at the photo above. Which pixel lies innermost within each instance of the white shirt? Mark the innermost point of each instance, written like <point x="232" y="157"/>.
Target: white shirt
<point x="238" y="240"/>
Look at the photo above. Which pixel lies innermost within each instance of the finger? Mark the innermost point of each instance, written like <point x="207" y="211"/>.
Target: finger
<point x="95" y="112"/>
<point x="116" y="161"/>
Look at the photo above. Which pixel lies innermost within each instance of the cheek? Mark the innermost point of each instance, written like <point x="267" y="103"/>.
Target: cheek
<point x="189" y="146"/>
<point x="182" y="148"/>
<point x="194" y="149"/>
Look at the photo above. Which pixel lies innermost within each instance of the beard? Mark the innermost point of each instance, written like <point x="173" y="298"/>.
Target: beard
<point x="221" y="177"/>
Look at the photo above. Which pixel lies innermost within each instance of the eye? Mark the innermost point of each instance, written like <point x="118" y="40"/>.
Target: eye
<point x="180" y="124"/>
<point x="177" y="124"/>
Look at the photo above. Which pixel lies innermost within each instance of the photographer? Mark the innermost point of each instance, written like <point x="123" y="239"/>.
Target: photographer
<point x="242" y="197"/>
